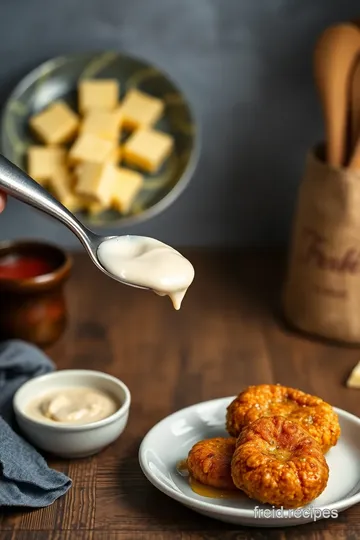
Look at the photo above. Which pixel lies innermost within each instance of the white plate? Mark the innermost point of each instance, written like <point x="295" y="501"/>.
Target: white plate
<point x="171" y="439"/>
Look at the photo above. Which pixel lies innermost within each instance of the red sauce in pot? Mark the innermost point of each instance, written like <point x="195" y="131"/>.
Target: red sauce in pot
<point x="15" y="267"/>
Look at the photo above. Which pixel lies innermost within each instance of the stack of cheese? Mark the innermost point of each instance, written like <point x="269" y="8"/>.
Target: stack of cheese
<point x="88" y="175"/>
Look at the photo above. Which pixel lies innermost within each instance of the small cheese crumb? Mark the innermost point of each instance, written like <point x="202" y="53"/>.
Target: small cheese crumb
<point x="354" y="378"/>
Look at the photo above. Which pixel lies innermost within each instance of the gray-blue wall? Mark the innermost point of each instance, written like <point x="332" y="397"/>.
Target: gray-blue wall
<point x="245" y="65"/>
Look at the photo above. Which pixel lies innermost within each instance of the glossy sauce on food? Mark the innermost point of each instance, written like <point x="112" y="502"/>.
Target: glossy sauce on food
<point x="149" y="263"/>
<point x="76" y="405"/>
<point x="206" y="491"/>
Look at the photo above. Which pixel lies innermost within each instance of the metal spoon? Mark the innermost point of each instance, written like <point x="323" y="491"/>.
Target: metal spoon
<point x="18" y="184"/>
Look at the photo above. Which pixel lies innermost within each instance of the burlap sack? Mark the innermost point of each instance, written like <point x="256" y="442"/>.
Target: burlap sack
<point x="322" y="288"/>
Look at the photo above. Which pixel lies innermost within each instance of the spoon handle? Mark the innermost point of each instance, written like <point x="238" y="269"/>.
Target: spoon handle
<point x="18" y="184"/>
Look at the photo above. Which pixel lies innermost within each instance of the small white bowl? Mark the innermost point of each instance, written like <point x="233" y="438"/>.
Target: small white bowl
<point x="70" y="440"/>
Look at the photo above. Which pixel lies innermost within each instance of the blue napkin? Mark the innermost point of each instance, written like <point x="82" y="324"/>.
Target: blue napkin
<point x="25" y="478"/>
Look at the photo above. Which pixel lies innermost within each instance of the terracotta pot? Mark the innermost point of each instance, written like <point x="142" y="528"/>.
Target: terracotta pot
<point x="34" y="309"/>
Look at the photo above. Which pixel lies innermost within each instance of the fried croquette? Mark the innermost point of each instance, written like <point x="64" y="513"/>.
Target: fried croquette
<point x="315" y="415"/>
<point x="209" y="462"/>
<point x="277" y="462"/>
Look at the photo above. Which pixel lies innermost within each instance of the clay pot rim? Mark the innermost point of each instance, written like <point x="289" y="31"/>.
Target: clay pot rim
<point x="45" y="250"/>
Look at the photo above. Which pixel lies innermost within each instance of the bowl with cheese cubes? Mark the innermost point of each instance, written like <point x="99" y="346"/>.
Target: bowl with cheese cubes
<point x="112" y="137"/>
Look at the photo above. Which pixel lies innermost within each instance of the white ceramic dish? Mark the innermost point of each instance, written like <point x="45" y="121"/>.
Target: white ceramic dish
<point x="171" y="439"/>
<point x="69" y="440"/>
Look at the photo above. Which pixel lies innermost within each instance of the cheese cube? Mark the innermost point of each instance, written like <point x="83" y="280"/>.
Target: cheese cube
<point x="354" y="378"/>
<point x="115" y="155"/>
<point x="103" y="124"/>
<point x="119" y="116"/>
<point x="55" y="125"/>
<point x="43" y="161"/>
<point x="75" y="203"/>
<point x="96" y="181"/>
<point x="95" y="208"/>
<point x="148" y="149"/>
<point x="100" y="94"/>
<point x="61" y="184"/>
<point x="88" y="147"/>
<point x="127" y="186"/>
<point x="140" y="110"/>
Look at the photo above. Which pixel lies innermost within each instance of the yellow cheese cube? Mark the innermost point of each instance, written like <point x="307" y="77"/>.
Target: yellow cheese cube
<point x="55" y="125"/>
<point x="43" y="161"/>
<point x="95" y="208"/>
<point x="61" y="184"/>
<point x="148" y="149"/>
<point x="96" y="181"/>
<point x="127" y="186"/>
<point x="140" y="110"/>
<point x="75" y="203"/>
<point x="119" y="116"/>
<point x="115" y="155"/>
<point x="100" y="94"/>
<point x="103" y="124"/>
<point x="88" y="147"/>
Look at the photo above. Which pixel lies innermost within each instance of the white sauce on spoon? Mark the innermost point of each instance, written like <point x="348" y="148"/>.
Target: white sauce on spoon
<point x="148" y="263"/>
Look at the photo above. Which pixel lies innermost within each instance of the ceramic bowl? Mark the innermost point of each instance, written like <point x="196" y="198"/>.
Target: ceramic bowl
<point x="34" y="309"/>
<point x="58" y="79"/>
<point x="69" y="440"/>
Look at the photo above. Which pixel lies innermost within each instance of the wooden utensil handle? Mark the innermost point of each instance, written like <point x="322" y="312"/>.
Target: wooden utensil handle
<point x="354" y="163"/>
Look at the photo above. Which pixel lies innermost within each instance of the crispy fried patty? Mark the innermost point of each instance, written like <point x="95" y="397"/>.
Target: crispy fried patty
<point x="277" y="462"/>
<point x="209" y="462"/>
<point x="315" y="415"/>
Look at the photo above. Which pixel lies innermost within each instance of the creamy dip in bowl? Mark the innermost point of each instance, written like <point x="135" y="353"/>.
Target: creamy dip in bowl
<point x="72" y="413"/>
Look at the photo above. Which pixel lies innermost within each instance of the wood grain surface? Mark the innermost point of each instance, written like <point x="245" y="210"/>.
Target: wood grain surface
<point x="227" y="335"/>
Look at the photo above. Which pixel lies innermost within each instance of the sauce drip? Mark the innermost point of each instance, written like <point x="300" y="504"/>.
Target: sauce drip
<point x="149" y="263"/>
<point x="207" y="491"/>
<point x="23" y="267"/>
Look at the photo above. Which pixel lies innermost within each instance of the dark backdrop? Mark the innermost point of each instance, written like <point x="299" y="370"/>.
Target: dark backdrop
<point x="245" y="65"/>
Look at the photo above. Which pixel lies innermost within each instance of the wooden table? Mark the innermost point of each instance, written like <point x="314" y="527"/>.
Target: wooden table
<point x="226" y="336"/>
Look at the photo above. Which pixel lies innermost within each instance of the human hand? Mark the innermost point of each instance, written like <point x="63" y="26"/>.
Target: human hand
<point x="2" y="201"/>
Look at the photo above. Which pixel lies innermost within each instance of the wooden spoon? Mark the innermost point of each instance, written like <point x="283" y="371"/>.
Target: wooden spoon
<point x="355" y="107"/>
<point x="334" y="58"/>
<point x="354" y="163"/>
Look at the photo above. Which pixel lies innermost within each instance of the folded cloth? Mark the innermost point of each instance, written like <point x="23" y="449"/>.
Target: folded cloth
<point x="25" y="478"/>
